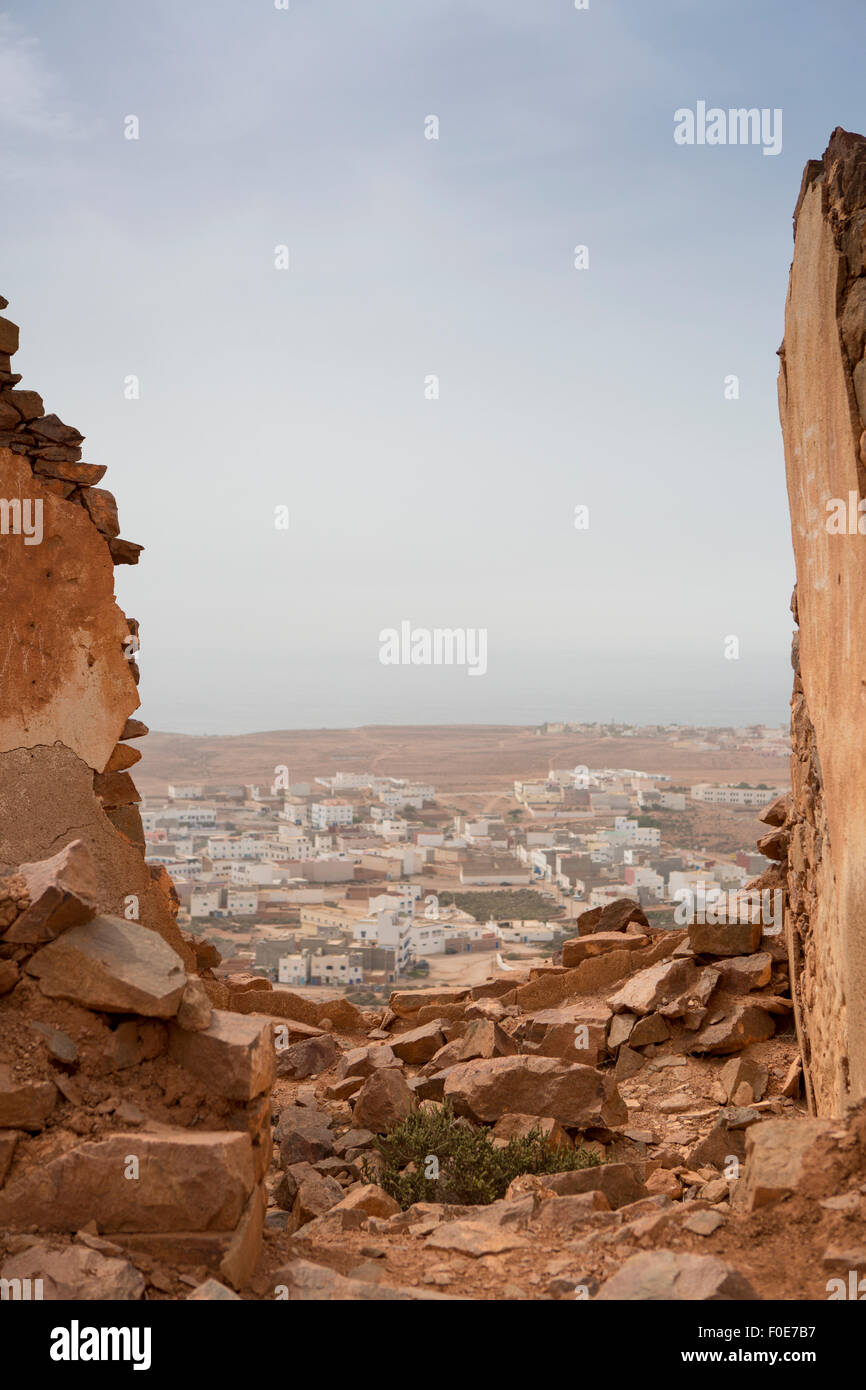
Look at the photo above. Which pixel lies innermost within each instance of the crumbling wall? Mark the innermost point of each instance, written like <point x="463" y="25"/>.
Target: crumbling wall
<point x="822" y="401"/>
<point x="67" y="662"/>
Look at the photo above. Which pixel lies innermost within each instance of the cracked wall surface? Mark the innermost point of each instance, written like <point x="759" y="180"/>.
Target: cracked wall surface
<point x="822" y="401"/>
<point x="67" y="660"/>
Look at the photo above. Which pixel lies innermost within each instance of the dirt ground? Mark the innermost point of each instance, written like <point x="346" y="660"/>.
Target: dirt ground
<point x="477" y="760"/>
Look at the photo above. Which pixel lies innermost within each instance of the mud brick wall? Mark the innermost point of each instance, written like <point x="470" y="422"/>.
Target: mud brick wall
<point x="822" y="401"/>
<point x="67" y="657"/>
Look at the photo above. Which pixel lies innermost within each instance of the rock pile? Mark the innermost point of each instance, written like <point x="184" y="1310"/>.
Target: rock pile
<point x="126" y="1100"/>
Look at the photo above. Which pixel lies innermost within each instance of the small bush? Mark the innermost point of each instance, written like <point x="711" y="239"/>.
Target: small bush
<point x="471" y="1169"/>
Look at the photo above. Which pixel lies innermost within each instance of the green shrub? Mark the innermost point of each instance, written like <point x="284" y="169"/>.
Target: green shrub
<point x="471" y="1169"/>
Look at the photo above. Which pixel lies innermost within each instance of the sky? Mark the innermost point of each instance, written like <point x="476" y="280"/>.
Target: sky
<point x="228" y="393"/>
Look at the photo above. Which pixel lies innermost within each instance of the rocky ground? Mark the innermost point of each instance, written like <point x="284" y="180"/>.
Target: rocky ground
<point x="252" y="1118"/>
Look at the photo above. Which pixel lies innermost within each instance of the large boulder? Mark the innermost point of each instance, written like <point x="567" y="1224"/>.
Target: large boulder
<point x="778" y="1153"/>
<point x="667" y="1276"/>
<point x="112" y="965"/>
<point x="63" y="893"/>
<point x="615" y="916"/>
<point x="76" y="1273"/>
<point x="383" y="1100"/>
<point x="234" y="1054"/>
<point x="582" y="947"/>
<point x="655" y="987"/>
<point x="182" y="1180"/>
<point x="488" y="1089"/>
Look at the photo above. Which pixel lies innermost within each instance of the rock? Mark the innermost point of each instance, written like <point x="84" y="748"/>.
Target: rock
<point x="663" y="1183"/>
<point x="488" y="1089"/>
<point x="9" y="976"/>
<point x="840" y="1260"/>
<point x="720" y="1146"/>
<point x="8" y="337"/>
<point x="716" y="1190"/>
<point x="316" y="1195"/>
<point x="194" y="1012"/>
<point x="405" y="1003"/>
<point x="647" y="990"/>
<point x="286" y="1190"/>
<point x="628" y="1064"/>
<point x="521" y="1126"/>
<point x="475" y="1238"/>
<point x="649" y="1030"/>
<point x="60" y="1046"/>
<point x="137" y="1041"/>
<point x="575" y="1033"/>
<point x="75" y="1272"/>
<point x="615" y="916"/>
<point x="793" y="1077"/>
<point x="343" y="1090"/>
<point x="483" y="1038"/>
<point x="212" y="1291"/>
<point x="363" y="1061"/>
<point x="112" y="965"/>
<point x="666" y="1276"/>
<point x="309" y="1057"/>
<point x="740" y="1025"/>
<point x="418" y="1045"/>
<point x="25" y="1104"/>
<point x="234" y="1054"/>
<point x="621" y="1029"/>
<point x="742" y="1071"/>
<point x="774" y="845"/>
<point x="580" y="948"/>
<point x="354" y="1139"/>
<point x="569" y="1214"/>
<point x="619" y="1183"/>
<point x="778" y="811"/>
<point x="8" y="1140"/>
<point x="187" y="1181"/>
<point x="304" y="1136"/>
<point x="430" y="1087"/>
<point x="302" y="1281"/>
<point x="739" y="974"/>
<point x="703" y="1223"/>
<point x="371" y="1200"/>
<point x="724" y="938"/>
<point x="777" y="1155"/>
<point x="63" y="893"/>
<point x="383" y="1099"/>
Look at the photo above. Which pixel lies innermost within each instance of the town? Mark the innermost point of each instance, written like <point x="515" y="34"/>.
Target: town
<point x="354" y="882"/>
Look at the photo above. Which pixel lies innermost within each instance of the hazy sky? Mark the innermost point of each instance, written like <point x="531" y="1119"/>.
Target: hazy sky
<point x="408" y="257"/>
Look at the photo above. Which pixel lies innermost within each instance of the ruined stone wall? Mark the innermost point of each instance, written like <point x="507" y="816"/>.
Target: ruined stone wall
<point x="67" y="652"/>
<point x="822" y="400"/>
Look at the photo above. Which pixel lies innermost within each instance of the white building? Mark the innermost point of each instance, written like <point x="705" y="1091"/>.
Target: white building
<point x="232" y="847"/>
<point x="334" y="970"/>
<point x="648" y="837"/>
<point x="204" y="901"/>
<point x="292" y="970"/>
<point x="242" y="902"/>
<point x="186" y="791"/>
<point x="296" y="843"/>
<point x="390" y="929"/>
<point x="428" y="940"/>
<point x="712" y="795"/>
<point x="334" y="810"/>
